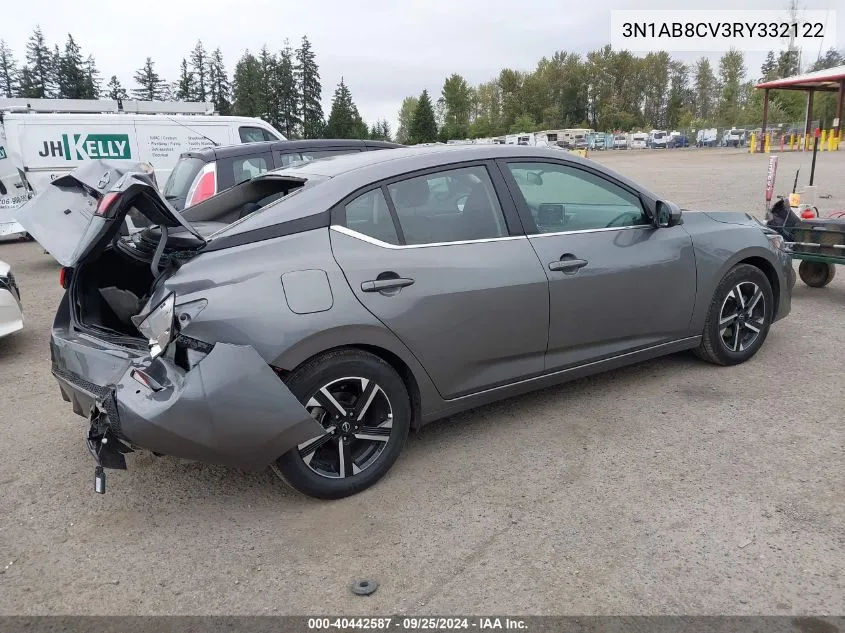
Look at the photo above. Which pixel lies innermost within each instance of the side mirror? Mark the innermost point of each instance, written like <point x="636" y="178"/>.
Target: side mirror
<point x="666" y="214"/>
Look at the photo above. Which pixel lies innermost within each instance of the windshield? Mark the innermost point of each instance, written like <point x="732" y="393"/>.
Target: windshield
<point x="181" y="178"/>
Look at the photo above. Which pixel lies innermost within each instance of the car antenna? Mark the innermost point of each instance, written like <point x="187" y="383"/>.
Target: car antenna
<point x="212" y="141"/>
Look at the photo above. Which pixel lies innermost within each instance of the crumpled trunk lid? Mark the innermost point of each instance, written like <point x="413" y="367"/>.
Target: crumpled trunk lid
<point x="71" y="219"/>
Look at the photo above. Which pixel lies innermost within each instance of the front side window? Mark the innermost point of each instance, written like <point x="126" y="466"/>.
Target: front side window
<point x="255" y="135"/>
<point x="448" y="206"/>
<point x="368" y="214"/>
<point x="564" y="198"/>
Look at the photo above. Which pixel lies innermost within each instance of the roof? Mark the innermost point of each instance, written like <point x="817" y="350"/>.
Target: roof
<point x="329" y="180"/>
<point x="241" y="149"/>
<point x="827" y="79"/>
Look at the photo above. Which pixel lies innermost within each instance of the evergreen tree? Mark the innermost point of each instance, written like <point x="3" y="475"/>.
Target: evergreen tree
<point x="151" y="86"/>
<point x="769" y="68"/>
<point x="219" y="88"/>
<point x="70" y="75"/>
<point x="380" y="130"/>
<point x="199" y="65"/>
<point x="307" y="76"/>
<point x="40" y="62"/>
<point x="290" y="121"/>
<point x="787" y="63"/>
<point x="114" y="90"/>
<point x="8" y="71"/>
<point x="267" y="93"/>
<point x="344" y="120"/>
<point x="185" y="88"/>
<point x="705" y="91"/>
<point x="731" y="79"/>
<point x="92" y="81"/>
<point x="423" y="127"/>
<point x="246" y="80"/>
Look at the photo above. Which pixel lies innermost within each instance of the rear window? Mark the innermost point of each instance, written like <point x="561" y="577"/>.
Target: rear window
<point x="180" y="180"/>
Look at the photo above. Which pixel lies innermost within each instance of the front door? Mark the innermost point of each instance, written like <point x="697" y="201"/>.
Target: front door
<point x="433" y="259"/>
<point x="616" y="283"/>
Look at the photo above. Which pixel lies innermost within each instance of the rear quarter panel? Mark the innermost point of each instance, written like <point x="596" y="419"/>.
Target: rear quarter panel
<point x="247" y="304"/>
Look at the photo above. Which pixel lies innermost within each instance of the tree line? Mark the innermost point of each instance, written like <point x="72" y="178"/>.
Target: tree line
<point x="604" y="90"/>
<point x="612" y="90"/>
<point x="283" y="88"/>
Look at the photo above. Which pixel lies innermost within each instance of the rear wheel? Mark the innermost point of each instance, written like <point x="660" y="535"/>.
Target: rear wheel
<point x="363" y="405"/>
<point x="739" y="317"/>
<point x="816" y="274"/>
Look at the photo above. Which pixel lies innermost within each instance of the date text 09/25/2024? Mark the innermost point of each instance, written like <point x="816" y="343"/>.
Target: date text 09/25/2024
<point x="417" y="624"/>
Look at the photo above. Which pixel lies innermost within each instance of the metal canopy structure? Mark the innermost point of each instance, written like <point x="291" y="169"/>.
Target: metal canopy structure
<point x="828" y="80"/>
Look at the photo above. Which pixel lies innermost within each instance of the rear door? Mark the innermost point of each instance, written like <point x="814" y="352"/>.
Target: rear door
<point x="616" y="283"/>
<point x="438" y="258"/>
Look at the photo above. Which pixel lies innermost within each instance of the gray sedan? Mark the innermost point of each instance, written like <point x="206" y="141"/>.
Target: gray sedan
<point x="309" y="318"/>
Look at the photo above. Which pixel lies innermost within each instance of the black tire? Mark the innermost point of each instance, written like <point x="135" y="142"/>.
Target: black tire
<point x="331" y="370"/>
<point x="816" y="274"/>
<point x="737" y="341"/>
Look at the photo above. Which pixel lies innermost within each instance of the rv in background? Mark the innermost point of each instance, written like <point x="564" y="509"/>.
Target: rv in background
<point x="639" y="140"/>
<point x="707" y="137"/>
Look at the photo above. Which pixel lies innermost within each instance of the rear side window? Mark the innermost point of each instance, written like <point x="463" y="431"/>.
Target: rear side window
<point x="369" y="215"/>
<point x="248" y="168"/>
<point x="255" y="135"/>
<point x="233" y="171"/>
<point x="289" y="158"/>
<point x="448" y="206"/>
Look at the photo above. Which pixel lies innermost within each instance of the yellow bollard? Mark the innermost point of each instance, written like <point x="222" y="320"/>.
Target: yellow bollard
<point x="768" y="143"/>
<point x="823" y="140"/>
<point x="791" y="142"/>
<point x="753" y="146"/>
<point x="807" y="144"/>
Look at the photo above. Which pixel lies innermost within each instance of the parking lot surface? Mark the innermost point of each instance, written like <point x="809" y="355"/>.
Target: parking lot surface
<point x="667" y="487"/>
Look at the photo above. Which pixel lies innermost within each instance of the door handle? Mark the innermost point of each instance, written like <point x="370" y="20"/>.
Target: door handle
<point x="380" y="285"/>
<point x="568" y="264"/>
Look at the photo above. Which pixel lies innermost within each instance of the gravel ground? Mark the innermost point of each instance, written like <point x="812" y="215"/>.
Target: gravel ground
<point x="669" y="487"/>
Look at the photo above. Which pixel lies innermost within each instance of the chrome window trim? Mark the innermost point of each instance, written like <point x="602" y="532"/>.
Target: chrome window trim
<point x="599" y="230"/>
<point x="371" y="240"/>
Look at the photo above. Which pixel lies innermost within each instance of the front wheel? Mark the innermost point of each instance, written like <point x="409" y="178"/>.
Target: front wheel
<point x="739" y="317"/>
<point x="363" y="405"/>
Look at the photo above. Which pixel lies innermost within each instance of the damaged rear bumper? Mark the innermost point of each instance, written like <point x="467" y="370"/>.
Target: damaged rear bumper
<point x="230" y="408"/>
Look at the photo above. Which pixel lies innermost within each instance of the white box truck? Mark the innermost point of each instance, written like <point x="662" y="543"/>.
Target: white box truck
<point x="42" y="139"/>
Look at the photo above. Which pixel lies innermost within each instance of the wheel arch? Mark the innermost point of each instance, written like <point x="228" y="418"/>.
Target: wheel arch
<point x="768" y="269"/>
<point x="423" y="395"/>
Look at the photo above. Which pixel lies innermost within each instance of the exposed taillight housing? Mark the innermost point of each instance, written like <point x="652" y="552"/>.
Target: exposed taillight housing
<point x="106" y="203"/>
<point x="65" y="274"/>
<point x="204" y="185"/>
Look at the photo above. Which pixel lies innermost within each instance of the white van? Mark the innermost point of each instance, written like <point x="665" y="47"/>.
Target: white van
<point x="38" y="146"/>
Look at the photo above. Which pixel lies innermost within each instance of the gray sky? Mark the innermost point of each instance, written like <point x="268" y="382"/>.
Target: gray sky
<point x="384" y="49"/>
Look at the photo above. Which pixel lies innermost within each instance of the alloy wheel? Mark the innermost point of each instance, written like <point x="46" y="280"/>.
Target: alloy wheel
<point x="358" y="418"/>
<point x="742" y="316"/>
